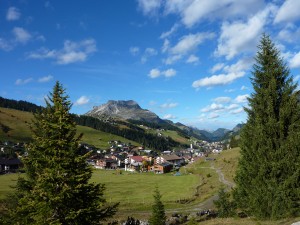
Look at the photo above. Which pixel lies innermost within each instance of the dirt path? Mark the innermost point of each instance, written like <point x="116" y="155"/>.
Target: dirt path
<point x="222" y="178"/>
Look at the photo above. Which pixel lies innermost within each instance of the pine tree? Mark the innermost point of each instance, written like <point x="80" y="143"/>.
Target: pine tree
<point x="224" y="204"/>
<point x="56" y="189"/>
<point x="158" y="216"/>
<point x="268" y="176"/>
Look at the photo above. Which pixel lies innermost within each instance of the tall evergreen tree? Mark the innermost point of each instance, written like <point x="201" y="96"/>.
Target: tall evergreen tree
<point x="268" y="176"/>
<point x="158" y="216"/>
<point x="56" y="189"/>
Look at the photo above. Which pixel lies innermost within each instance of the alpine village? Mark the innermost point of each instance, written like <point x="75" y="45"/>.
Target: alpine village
<point x="121" y="164"/>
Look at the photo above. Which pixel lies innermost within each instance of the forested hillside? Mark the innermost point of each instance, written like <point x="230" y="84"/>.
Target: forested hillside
<point x="120" y="128"/>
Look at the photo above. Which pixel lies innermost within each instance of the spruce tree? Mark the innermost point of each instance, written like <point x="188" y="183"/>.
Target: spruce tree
<point x="56" y="189"/>
<point x="224" y="204"/>
<point x="268" y="176"/>
<point x="158" y="216"/>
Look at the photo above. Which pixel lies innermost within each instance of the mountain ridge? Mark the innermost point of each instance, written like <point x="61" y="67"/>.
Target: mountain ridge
<point x="130" y="110"/>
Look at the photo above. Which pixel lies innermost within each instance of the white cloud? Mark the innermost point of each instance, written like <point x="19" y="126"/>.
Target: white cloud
<point x="165" y="46"/>
<point x="172" y="59"/>
<point x="237" y="111"/>
<point x="76" y="52"/>
<point x="23" y="81"/>
<point x="71" y="52"/>
<point x="241" y="98"/>
<point x="21" y="35"/>
<point x="148" y="53"/>
<point x="229" y="90"/>
<point x="82" y="100"/>
<point x="13" y="14"/>
<point x="45" y="79"/>
<point x="243" y="88"/>
<point x="222" y="99"/>
<point x="233" y="72"/>
<point x="232" y="106"/>
<point x="213" y="108"/>
<point x="220" y="79"/>
<point x="290" y="33"/>
<point x="232" y="41"/>
<point x="195" y="11"/>
<point x="241" y="65"/>
<point x="288" y="12"/>
<point x="43" y="53"/>
<point x="149" y="7"/>
<point x="154" y="73"/>
<point x="169" y="72"/>
<point x="190" y="42"/>
<point x="5" y="45"/>
<point x="170" y="32"/>
<point x="192" y="59"/>
<point x="217" y="67"/>
<point x="169" y="105"/>
<point x="213" y="115"/>
<point x="134" y="50"/>
<point x="295" y="61"/>
<point x="169" y="116"/>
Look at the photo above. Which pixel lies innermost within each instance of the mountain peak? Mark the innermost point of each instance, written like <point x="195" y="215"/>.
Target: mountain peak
<point x="125" y="109"/>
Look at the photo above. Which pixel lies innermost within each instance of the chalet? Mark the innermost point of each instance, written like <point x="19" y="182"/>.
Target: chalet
<point x="161" y="168"/>
<point x="106" y="163"/>
<point x="135" y="159"/>
<point x="173" y="159"/>
<point x="10" y="165"/>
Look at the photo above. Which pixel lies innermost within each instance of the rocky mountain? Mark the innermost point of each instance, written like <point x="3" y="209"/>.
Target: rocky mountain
<point x="238" y="127"/>
<point x="128" y="110"/>
<point x="131" y="111"/>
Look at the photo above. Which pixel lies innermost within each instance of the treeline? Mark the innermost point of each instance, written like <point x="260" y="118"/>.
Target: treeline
<point x="19" y="105"/>
<point x="148" y="140"/>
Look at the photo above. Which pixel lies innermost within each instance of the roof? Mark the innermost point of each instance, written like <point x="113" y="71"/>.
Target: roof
<point x="13" y="161"/>
<point x="171" y="157"/>
<point x="137" y="158"/>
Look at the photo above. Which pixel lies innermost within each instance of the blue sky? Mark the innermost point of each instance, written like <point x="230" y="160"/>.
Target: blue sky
<point x="186" y="60"/>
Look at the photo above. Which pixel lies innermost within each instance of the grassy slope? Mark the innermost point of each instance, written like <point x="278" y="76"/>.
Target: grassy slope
<point x="170" y="133"/>
<point x="99" y="138"/>
<point x="18" y="122"/>
<point x="227" y="161"/>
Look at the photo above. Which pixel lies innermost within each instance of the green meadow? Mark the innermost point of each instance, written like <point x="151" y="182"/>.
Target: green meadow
<point x="134" y="191"/>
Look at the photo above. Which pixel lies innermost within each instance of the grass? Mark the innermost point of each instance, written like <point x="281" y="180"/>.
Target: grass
<point x="228" y="162"/>
<point x="7" y="181"/>
<point x="248" y="221"/>
<point x="134" y="190"/>
<point x="100" y="139"/>
<point x="176" y="137"/>
<point x="18" y="122"/>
